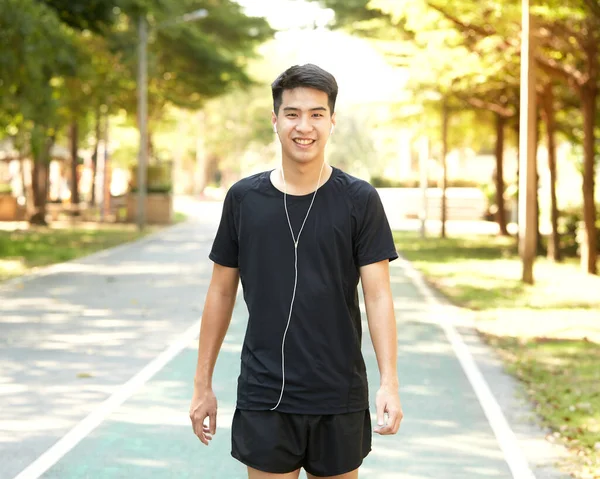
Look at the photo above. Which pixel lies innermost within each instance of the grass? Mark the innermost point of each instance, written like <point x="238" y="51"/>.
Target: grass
<point x="548" y="334"/>
<point x="23" y="250"/>
<point x="563" y="380"/>
<point x="179" y="217"/>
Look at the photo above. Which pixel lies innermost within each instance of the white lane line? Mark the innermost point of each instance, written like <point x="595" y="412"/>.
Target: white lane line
<point x="505" y="436"/>
<point x="96" y="417"/>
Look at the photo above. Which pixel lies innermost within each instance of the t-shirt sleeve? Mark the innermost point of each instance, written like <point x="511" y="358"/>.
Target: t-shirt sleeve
<point x="225" y="245"/>
<point x="374" y="241"/>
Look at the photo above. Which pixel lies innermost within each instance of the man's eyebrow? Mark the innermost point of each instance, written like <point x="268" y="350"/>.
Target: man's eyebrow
<point x="292" y="108"/>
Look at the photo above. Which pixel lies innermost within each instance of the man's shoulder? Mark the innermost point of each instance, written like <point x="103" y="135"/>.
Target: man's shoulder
<point x="357" y="188"/>
<point x="241" y="187"/>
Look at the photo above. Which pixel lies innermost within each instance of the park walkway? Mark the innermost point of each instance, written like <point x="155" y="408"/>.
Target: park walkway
<point x="98" y="357"/>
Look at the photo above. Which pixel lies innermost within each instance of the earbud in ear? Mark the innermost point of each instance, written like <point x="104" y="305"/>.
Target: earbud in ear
<point x="275" y="128"/>
<point x="331" y="131"/>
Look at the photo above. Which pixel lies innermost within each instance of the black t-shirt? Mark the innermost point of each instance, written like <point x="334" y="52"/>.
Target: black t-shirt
<point x="346" y="229"/>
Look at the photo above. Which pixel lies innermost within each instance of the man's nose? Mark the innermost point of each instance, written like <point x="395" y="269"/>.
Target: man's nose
<point x="304" y="123"/>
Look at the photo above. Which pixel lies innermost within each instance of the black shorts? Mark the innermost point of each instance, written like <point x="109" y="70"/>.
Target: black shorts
<point x="276" y="442"/>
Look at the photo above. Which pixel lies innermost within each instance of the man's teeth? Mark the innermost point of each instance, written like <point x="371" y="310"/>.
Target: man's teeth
<point x="303" y="142"/>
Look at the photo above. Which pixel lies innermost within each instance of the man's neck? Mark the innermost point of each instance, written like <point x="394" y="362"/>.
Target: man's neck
<point x="302" y="179"/>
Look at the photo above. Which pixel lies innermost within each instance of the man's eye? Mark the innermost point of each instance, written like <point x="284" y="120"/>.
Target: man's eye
<point x="318" y="115"/>
<point x="291" y="115"/>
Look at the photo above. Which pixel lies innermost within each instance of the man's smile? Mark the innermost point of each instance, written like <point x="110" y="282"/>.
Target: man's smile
<point x="303" y="141"/>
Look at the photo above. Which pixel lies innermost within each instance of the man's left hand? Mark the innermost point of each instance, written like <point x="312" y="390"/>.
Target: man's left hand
<point x="387" y="402"/>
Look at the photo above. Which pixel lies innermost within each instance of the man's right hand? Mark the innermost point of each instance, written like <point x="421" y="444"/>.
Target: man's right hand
<point x="204" y="404"/>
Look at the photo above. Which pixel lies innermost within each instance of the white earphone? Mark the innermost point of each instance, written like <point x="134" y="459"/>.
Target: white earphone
<point x="295" y="239"/>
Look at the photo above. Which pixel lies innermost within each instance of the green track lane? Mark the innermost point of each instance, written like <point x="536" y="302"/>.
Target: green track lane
<point x="444" y="435"/>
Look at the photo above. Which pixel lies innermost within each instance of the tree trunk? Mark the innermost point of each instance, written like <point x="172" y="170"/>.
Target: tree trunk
<point x="95" y="157"/>
<point x="527" y="153"/>
<point x="74" y="161"/>
<point x="517" y="132"/>
<point x="517" y="128"/>
<point x="106" y="172"/>
<point x="200" y="178"/>
<point x="445" y="119"/>
<point x="550" y="120"/>
<point x="589" y="94"/>
<point x="539" y="244"/>
<point x="501" y="213"/>
<point x="39" y="182"/>
<point x="150" y="145"/>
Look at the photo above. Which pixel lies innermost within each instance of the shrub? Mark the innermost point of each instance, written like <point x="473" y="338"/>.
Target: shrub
<point x="158" y="178"/>
<point x="155" y="189"/>
<point x="382" y="182"/>
<point x="569" y="223"/>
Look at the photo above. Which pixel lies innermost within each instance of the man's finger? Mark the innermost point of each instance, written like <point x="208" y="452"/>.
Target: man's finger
<point x="198" y="426"/>
<point x="384" y="430"/>
<point x="398" y="421"/>
<point x="381" y="425"/>
<point x="202" y="438"/>
<point x="212" y="421"/>
<point x="392" y="425"/>
<point x="394" y="421"/>
<point x="200" y="433"/>
<point x="380" y="415"/>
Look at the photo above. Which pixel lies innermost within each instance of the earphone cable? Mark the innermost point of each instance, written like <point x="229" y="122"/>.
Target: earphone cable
<point x="295" y="240"/>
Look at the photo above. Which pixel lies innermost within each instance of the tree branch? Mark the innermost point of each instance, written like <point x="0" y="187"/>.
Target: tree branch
<point x="499" y="109"/>
<point x="594" y="6"/>
<point x="560" y="30"/>
<point x="481" y="31"/>
<point x="480" y="104"/>
<point x="565" y="72"/>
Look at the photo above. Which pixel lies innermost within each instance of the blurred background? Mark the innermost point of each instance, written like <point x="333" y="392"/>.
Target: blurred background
<point x="476" y="120"/>
<point x="428" y="94"/>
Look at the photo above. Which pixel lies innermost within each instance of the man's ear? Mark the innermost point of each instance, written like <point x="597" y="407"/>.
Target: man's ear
<point x="274" y="121"/>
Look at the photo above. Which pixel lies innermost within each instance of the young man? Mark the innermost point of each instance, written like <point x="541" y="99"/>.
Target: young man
<point x="300" y="237"/>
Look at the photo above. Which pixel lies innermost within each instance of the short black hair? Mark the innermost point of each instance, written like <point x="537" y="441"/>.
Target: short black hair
<point x="309" y="76"/>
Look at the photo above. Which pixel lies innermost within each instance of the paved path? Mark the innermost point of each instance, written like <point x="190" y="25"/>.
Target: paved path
<point x="75" y="338"/>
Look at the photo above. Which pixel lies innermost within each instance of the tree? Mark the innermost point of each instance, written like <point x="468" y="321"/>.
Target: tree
<point x="351" y="144"/>
<point x="461" y="72"/>
<point x="573" y="30"/>
<point x="39" y="53"/>
<point x="235" y="125"/>
<point x="190" y="63"/>
<point x="568" y="35"/>
<point x="547" y="101"/>
<point x="92" y="15"/>
<point x="67" y="61"/>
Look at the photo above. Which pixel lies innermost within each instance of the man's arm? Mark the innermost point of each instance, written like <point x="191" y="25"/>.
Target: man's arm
<point x="375" y="280"/>
<point x="216" y="317"/>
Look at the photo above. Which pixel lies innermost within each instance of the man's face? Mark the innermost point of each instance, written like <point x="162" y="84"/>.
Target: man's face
<point x="303" y="124"/>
